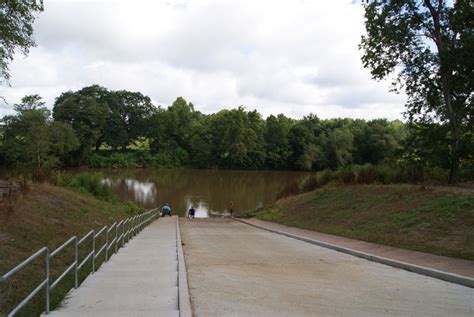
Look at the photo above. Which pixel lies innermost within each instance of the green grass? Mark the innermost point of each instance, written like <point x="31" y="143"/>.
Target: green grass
<point x="403" y="216"/>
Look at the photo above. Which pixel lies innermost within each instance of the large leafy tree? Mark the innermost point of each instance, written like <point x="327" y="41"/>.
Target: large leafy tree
<point x="16" y="30"/>
<point x="429" y="44"/>
<point x="169" y="128"/>
<point x="87" y="113"/>
<point x="129" y="117"/>
<point x="235" y="138"/>
<point x="377" y="140"/>
<point x="277" y="145"/>
<point x="31" y="140"/>
<point x="338" y="147"/>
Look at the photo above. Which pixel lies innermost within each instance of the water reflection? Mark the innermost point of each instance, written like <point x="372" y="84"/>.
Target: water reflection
<point x="201" y="208"/>
<point x="209" y="191"/>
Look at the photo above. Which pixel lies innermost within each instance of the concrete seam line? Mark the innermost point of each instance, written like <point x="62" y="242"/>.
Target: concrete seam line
<point x="445" y="276"/>
<point x="183" y="287"/>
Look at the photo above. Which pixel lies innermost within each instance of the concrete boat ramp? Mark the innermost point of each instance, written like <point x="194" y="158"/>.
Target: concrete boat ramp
<point x="142" y="279"/>
<point x="238" y="270"/>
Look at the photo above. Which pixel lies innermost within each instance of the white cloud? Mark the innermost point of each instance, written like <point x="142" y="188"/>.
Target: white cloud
<point x="283" y="56"/>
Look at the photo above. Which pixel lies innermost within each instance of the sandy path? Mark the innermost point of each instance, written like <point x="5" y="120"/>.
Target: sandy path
<point x="238" y="270"/>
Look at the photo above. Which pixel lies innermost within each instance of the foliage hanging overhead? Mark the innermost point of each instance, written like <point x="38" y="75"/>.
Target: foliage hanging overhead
<point x="429" y="44"/>
<point x="16" y="31"/>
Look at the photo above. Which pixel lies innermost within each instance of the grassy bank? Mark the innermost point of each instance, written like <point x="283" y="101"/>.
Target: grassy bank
<point x="47" y="215"/>
<point x="439" y="221"/>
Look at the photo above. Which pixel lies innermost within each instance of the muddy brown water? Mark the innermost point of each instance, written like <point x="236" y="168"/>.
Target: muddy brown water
<point x="209" y="191"/>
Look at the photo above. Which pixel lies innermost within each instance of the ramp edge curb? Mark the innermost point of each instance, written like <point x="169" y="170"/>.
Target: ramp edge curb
<point x="184" y="302"/>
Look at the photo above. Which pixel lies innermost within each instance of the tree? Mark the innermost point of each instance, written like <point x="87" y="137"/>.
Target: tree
<point x="29" y="102"/>
<point x="430" y="45"/>
<point x="305" y="150"/>
<point x="338" y="147"/>
<point x="86" y="113"/>
<point x="235" y="139"/>
<point x="377" y="140"/>
<point x="277" y="146"/>
<point x="169" y="128"/>
<point x="16" y="31"/>
<point x="31" y="140"/>
<point x="129" y="118"/>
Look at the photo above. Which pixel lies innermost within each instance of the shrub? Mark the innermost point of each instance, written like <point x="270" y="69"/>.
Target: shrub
<point x="366" y="174"/>
<point x="325" y="177"/>
<point x="132" y="209"/>
<point x="86" y="183"/>
<point x="346" y="175"/>
<point x="271" y="214"/>
<point x="311" y="183"/>
<point x="113" y="159"/>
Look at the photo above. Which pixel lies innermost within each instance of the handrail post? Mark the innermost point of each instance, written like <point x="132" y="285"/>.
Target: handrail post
<point x="93" y="252"/>
<point x="123" y="232"/>
<point x="133" y="225"/>
<point x="116" y="231"/>
<point x="47" y="280"/>
<point x="106" y="244"/>
<point x="76" y="256"/>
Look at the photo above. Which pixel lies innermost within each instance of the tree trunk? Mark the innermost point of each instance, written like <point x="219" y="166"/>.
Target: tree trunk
<point x="446" y="73"/>
<point x="98" y="144"/>
<point x="453" y="124"/>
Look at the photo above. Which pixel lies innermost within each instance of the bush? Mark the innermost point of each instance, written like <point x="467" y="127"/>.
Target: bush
<point x="346" y="175"/>
<point x="366" y="174"/>
<point x="86" y="183"/>
<point x="271" y="214"/>
<point x="113" y="159"/>
<point x="132" y="209"/>
<point x="325" y="177"/>
<point x="311" y="183"/>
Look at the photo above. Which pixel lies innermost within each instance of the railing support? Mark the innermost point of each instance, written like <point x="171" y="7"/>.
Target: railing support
<point x="76" y="256"/>
<point x="93" y="252"/>
<point x="47" y="280"/>
<point x="106" y="245"/>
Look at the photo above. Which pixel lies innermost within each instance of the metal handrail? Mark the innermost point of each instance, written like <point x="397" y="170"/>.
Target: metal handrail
<point x="135" y="225"/>
<point x="96" y="254"/>
<point x="72" y="266"/>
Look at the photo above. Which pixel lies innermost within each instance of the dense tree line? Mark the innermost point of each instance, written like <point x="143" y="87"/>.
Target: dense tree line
<point x="427" y="44"/>
<point x="87" y="126"/>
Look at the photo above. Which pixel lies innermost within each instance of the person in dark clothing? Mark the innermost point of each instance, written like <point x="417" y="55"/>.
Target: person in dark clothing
<point x="166" y="210"/>
<point x="231" y="208"/>
<point x="191" y="212"/>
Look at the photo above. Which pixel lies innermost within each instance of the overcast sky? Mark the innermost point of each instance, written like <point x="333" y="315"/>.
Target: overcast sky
<point x="291" y="56"/>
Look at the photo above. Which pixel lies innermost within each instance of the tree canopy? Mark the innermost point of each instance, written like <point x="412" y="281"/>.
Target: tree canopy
<point x="429" y="45"/>
<point x="32" y="140"/>
<point x="16" y="31"/>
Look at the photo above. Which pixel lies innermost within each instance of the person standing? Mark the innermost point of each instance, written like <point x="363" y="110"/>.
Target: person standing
<point x="191" y="212"/>
<point x="231" y="208"/>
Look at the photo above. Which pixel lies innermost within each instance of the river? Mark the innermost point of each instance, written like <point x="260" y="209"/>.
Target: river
<point x="209" y="191"/>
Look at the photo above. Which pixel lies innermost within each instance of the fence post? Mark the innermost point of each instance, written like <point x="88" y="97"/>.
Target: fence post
<point x="123" y="231"/>
<point x="47" y="280"/>
<point x="106" y="244"/>
<point x="76" y="256"/>
<point x="93" y="252"/>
